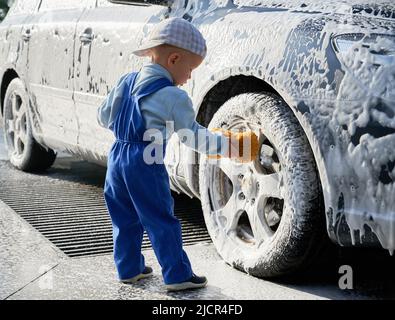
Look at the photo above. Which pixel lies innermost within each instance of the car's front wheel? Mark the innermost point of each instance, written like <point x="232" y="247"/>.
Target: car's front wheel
<point x="23" y="151"/>
<point x="264" y="217"/>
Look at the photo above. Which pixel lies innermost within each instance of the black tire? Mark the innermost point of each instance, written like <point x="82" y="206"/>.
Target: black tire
<point x="23" y="151"/>
<point x="293" y="223"/>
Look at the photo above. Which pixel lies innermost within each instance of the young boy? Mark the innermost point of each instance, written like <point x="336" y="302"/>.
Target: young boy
<point x="137" y="194"/>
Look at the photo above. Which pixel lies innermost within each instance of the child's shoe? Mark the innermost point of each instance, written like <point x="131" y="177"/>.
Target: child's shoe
<point x="147" y="272"/>
<point x="194" y="282"/>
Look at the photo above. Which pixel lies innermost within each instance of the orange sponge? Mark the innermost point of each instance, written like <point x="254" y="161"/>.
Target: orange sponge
<point x="238" y="141"/>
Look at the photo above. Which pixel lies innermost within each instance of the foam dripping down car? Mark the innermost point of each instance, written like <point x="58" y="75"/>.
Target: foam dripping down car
<point x="315" y="80"/>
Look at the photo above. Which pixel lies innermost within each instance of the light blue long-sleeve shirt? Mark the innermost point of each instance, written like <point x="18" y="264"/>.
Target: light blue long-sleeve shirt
<point x="167" y="104"/>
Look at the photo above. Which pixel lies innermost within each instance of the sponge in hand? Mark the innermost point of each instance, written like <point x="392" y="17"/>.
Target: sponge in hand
<point x="238" y="141"/>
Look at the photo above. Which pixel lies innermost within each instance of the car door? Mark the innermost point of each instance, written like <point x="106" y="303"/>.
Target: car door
<point x="105" y="38"/>
<point x="51" y="70"/>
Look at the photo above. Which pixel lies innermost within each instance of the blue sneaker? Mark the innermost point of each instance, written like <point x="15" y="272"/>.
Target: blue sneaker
<point x="194" y="282"/>
<point x="147" y="272"/>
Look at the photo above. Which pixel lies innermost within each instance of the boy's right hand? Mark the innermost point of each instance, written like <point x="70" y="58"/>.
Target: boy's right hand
<point x="237" y="141"/>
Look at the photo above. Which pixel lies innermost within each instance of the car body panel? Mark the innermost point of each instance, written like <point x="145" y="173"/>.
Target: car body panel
<point x="14" y="50"/>
<point x="110" y="48"/>
<point x="342" y="107"/>
<point x="51" y="44"/>
<point x="357" y="180"/>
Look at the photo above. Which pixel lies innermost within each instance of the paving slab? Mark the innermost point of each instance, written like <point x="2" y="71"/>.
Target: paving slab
<point x="95" y="278"/>
<point x="25" y="254"/>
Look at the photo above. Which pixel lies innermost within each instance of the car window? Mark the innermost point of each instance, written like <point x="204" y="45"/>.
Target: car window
<point x="108" y="3"/>
<point x="105" y="3"/>
<point x="47" y="5"/>
<point x="22" y="6"/>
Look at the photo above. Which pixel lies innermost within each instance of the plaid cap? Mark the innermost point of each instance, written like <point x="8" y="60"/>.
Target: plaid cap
<point x="177" y="32"/>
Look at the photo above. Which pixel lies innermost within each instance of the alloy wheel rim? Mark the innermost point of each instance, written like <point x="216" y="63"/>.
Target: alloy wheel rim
<point x="254" y="192"/>
<point x="16" y="125"/>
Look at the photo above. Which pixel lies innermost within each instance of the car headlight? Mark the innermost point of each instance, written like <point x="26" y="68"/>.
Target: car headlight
<point x="370" y="59"/>
<point x="380" y="47"/>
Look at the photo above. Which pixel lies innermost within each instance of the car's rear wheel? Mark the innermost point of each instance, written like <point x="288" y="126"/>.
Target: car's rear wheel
<point x="23" y="151"/>
<point x="264" y="217"/>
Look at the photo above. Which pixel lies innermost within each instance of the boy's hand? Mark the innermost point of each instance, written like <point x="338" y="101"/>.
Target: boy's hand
<point x="237" y="141"/>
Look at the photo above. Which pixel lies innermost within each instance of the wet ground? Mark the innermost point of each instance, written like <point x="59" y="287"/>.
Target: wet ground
<point x="32" y="265"/>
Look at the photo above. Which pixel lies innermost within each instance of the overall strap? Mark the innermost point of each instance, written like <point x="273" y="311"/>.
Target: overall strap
<point x="130" y="80"/>
<point x="136" y="127"/>
<point x="152" y="87"/>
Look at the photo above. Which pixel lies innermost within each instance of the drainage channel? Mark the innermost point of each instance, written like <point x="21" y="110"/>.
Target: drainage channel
<point x="66" y="205"/>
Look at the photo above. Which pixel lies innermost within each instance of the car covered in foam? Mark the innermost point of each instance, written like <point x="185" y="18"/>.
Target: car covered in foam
<point x="314" y="79"/>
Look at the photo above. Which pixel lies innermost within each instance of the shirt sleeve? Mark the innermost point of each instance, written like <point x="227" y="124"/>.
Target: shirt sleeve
<point x="194" y="135"/>
<point x="109" y="108"/>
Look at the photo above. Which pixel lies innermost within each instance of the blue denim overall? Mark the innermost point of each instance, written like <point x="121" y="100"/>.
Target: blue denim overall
<point x="138" y="195"/>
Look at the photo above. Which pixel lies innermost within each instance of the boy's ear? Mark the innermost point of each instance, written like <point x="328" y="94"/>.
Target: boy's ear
<point x="174" y="58"/>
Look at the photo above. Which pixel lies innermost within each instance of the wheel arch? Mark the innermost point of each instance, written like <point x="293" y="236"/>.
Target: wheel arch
<point x="231" y="86"/>
<point x="8" y="76"/>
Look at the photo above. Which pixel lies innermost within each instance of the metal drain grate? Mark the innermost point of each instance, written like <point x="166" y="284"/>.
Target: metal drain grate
<point x="66" y="205"/>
